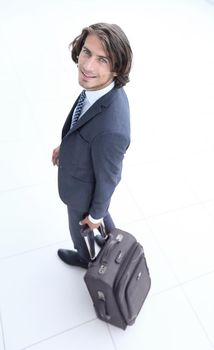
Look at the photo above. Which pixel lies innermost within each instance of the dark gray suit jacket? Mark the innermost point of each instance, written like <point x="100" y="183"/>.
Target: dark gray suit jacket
<point x="91" y="154"/>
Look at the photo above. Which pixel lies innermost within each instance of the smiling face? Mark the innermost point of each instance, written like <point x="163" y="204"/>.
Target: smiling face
<point x="94" y="66"/>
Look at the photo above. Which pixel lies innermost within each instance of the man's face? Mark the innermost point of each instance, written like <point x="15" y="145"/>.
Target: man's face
<point x="94" y="66"/>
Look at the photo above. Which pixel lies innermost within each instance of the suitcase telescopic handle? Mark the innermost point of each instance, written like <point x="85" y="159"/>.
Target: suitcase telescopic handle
<point x="88" y="235"/>
<point x="102" y="230"/>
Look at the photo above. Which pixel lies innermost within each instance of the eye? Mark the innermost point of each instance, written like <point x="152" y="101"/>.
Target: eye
<point x="85" y="51"/>
<point x="103" y="60"/>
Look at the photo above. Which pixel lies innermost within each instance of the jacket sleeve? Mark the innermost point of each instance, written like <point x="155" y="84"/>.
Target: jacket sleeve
<point x="107" y="156"/>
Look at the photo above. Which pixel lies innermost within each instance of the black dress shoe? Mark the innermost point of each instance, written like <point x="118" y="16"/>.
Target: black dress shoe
<point x="72" y="258"/>
<point x="100" y="240"/>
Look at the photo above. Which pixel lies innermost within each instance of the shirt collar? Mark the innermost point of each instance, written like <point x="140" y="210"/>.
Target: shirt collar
<point x="93" y="96"/>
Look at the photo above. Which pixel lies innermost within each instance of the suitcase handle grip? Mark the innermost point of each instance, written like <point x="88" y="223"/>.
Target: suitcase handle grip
<point x="112" y="245"/>
<point x="102" y="309"/>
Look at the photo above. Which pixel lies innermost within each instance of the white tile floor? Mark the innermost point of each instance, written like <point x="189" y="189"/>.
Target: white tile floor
<point x="166" y="197"/>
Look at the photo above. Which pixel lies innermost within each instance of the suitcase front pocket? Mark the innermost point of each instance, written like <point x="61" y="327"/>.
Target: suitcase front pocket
<point x="133" y="285"/>
<point x="137" y="290"/>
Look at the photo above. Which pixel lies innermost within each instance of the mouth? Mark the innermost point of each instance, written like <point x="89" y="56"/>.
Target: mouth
<point x="88" y="76"/>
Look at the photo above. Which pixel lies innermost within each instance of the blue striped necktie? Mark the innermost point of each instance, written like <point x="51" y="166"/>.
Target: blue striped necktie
<point x="78" y="109"/>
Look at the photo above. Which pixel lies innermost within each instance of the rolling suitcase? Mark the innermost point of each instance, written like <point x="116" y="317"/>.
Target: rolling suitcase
<point x="118" y="278"/>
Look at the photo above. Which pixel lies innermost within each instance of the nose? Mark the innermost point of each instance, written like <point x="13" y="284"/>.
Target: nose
<point x="89" y="64"/>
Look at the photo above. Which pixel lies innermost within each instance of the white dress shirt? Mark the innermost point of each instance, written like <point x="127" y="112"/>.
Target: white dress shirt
<point x="93" y="96"/>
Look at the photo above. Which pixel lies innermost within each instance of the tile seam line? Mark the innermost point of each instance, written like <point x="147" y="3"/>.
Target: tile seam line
<point x="200" y="322"/>
<point x="198" y="203"/>
<point x="167" y="259"/>
<point x="3" y="259"/>
<point x="58" y="334"/>
<point x="19" y="188"/>
<point x="2" y="330"/>
<point x="111" y="336"/>
<point x="181" y="284"/>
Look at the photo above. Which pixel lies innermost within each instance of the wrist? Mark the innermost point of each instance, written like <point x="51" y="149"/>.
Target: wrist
<point x="94" y="221"/>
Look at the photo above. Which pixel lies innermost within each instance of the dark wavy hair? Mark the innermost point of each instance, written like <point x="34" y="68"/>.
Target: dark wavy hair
<point x="116" y="44"/>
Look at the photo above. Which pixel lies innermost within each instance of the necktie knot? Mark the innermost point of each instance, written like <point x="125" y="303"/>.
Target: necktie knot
<point x="78" y="109"/>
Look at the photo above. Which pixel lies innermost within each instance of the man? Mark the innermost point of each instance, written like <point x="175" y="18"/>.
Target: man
<point x="96" y="134"/>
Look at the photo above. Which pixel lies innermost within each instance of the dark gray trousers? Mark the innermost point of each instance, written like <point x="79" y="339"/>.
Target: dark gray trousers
<point x="74" y="217"/>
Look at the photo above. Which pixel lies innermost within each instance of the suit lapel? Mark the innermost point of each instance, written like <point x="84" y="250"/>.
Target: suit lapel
<point x="95" y="109"/>
<point x="88" y="115"/>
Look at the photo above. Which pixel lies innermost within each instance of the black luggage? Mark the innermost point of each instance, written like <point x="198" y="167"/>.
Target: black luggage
<point x="118" y="279"/>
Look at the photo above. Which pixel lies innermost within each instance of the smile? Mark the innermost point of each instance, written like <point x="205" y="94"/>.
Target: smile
<point x="88" y="76"/>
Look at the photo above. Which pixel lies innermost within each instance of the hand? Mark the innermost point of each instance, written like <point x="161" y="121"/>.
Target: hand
<point x="55" y="156"/>
<point x="90" y="224"/>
